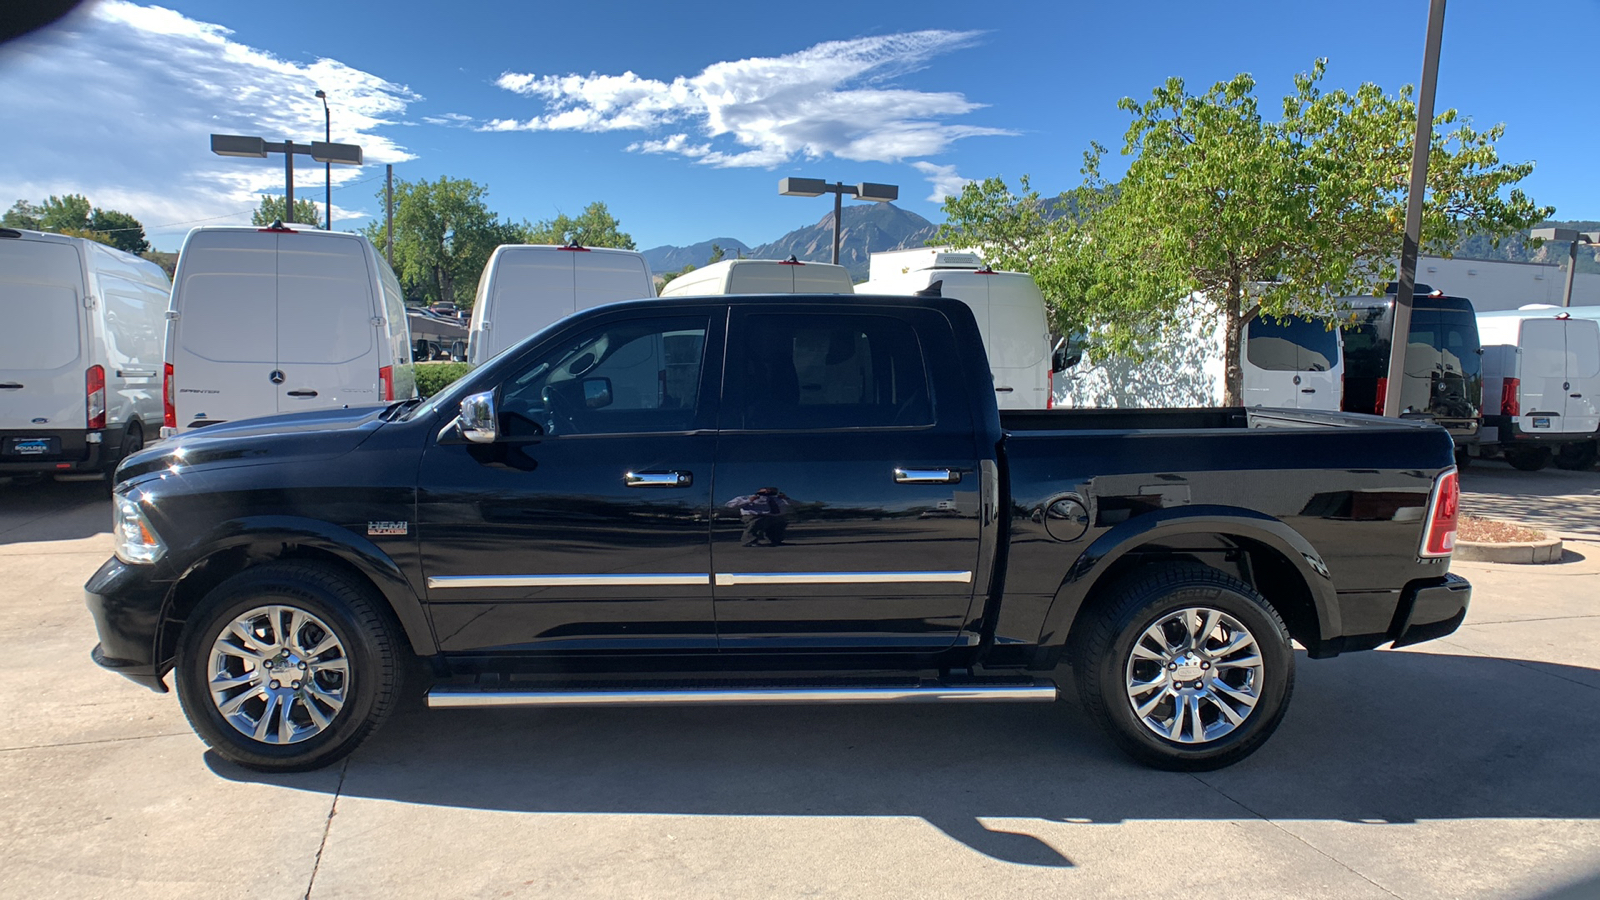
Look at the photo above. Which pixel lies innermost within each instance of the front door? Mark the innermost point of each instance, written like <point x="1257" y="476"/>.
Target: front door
<point x="847" y="498"/>
<point x="585" y="526"/>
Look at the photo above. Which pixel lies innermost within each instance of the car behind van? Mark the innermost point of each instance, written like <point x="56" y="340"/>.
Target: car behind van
<point x="761" y="276"/>
<point x="281" y="320"/>
<point x="1543" y="366"/>
<point x="80" y="353"/>
<point x="1443" y="364"/>
<point x="1008" y="305"/>
<point x="527" y="287"/>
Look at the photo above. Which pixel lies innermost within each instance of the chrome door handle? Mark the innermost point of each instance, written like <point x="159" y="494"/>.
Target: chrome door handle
<point x="658" y="479"/>
<point x="927" y="476"/>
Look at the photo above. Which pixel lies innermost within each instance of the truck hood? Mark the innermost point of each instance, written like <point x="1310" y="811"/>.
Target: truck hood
<point x="301" y="437"/>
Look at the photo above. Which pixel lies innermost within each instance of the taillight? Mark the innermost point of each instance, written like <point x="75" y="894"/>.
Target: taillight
<point x="1050" y="398"/>
<point x="95" y="389"/>
<point x="386" y="382"/>
<point x="1510" y="397"/>
<point x="169" y="399"/>
<point x="1383" y="395"/>
<point x="1440" y="538"/>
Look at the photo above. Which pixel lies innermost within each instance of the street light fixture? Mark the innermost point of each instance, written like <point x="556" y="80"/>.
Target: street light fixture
<point x="258" y="148"/>
<point x="816" y="187"/>
<point x="1573" y="238"/>
<point x="327" y="168"/>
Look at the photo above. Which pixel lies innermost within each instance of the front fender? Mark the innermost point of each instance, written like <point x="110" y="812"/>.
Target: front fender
<point x="264" y="537"/>
<point x="1153" y="527"/>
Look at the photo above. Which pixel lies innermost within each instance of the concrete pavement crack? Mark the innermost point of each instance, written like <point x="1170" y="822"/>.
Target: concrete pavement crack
<point x="1313" y="847"/>
<point x="327" y="827"/>
<point x="136" y="737"/>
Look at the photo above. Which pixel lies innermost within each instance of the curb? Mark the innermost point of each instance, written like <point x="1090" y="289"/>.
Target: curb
<point x="1523" y="552"/>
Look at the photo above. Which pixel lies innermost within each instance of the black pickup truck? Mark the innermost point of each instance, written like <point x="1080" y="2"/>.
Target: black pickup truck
<point x="772" y="499"/>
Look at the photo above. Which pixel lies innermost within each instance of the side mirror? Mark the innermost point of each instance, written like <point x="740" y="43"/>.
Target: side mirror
<point x="478" y="420"/>
<point x="596" y="392"/>
<point x="1063" y="357"/>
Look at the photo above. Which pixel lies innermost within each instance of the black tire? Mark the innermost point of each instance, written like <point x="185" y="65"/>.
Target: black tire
<point x="367" y="639"/>
<point x="1529" y="460"/>
<point x="1463" y="458"/>
<point x="132" y="442"/>
<point x="1103" y="664"/>
<point x="1577" y="457"/>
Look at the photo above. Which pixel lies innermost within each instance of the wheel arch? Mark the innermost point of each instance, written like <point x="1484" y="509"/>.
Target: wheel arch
<point x="1269" y="555"/>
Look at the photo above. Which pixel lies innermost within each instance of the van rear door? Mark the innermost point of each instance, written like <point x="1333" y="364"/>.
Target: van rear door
<point x="42" y="344"/>
<point x="225" y="346"/>
<point x="600" y="278"/>
<point x="1544" y="376"/>
<point x="532" y="288"/>
<point x="327" y="339"/>
<point x="1582" y="410"/>
<point x="1291" y="362"/>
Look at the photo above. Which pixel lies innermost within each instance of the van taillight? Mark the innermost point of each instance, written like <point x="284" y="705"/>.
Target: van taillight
<point x="1383" y="395"/>
<point x="95" y="389"/>
<point x="386" y="382"/>
<point x="1440" y="538"/>
<point x="1510" y="399"/>
<point x="169" y="399"/>
<point x="1050" y="398"/>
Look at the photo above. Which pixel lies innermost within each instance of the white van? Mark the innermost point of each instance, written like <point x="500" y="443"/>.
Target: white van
<point x="526" y="287"/>
<point x="80" y="353"/>
<point x="281" y="320"/>
<point x="1541" y="385"/>
<point x="761" y="276"/>
<point x="1009" y="308"/>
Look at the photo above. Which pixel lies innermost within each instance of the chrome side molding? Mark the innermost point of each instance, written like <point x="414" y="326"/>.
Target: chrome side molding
<point x="458" y="697"/>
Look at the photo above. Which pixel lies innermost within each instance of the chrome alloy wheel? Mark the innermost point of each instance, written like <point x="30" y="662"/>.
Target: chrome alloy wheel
<point x="1194" y="675"/>
<point x="278" y="674"/>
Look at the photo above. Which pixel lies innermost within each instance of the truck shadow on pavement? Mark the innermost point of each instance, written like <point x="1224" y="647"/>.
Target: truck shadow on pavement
<point x="1376" y="738"/>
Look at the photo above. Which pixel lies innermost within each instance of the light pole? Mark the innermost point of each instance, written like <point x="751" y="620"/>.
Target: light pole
<point x="327" y="167"/>
<point x="322" y="152"/>
<point x="816" y="187"/>
<point x="1573" y="239"/>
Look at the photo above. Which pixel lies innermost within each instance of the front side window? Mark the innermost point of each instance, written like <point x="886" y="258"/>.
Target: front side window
<point x="628" y="377"/>
<point x="833" y="371"/>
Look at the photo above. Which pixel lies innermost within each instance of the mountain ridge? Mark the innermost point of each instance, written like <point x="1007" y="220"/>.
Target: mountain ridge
<point x="867" y="229"/>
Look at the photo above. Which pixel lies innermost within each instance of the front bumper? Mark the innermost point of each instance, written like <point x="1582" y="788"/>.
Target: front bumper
<point x="126" y="603"/>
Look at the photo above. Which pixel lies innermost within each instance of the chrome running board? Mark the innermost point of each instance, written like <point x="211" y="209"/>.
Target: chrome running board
<point x="1009" y="690"/>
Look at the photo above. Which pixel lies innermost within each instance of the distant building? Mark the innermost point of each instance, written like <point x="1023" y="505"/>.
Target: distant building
<point x="1493" y="284"/>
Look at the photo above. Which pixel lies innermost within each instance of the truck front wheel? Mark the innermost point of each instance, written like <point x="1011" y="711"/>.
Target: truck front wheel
<point x="287" y="666"/>
<point x="1185" y="667"/>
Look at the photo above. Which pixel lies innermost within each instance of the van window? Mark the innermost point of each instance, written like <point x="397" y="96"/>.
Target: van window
<point x="1291" y="344"/>
<point x="1583" y="349"/>
<point x="325" y="302"/>
<point x="1450" y="338"/>
<point x="817" y="371"/>
<point x="41" y="291"/>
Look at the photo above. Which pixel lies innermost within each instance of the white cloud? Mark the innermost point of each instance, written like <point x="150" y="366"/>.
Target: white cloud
<point x="118" y="101"/>
<point x="451" y="120"/>
<point x="827" y="100"/>
<point x="945" y="181"/>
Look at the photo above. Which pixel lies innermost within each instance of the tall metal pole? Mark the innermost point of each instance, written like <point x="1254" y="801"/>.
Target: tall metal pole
<point x="327" y="167"/>
<point x="1572" y="268"/>
<point x="1422" y="143"/>
<point x="838" y="203"/>
<point x="288" y="178"/>
<point x="388" y="214"/>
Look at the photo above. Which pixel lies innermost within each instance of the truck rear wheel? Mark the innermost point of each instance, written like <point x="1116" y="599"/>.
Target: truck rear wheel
<point x="1186" y="668"/>
<point x="287" y="666"/>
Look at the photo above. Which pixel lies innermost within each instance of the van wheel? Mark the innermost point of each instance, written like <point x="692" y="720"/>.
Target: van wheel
<point x="1531" y="459"/>
<point x="288" y="666"/>
<point x="1186" y="668"/>
<point x="1577" y="457"/>
<point x="132" y="442"/>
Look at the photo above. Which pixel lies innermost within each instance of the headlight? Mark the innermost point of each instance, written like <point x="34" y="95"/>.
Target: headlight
<point x="136" y="541"/>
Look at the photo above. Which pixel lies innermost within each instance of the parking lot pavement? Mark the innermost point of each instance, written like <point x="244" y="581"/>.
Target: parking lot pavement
<point x="1559" y="501"/>
<point x="1458" y="768"/>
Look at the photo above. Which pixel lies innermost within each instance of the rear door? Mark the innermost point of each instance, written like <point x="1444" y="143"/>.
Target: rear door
<point x="225" y="345"/>
<point x="1292" y="362"/>
<point x="1019" y="342"/>
<point x="532" y="288"/>
<point x="1544" y="376"/>
<point x="326" y="324"/>
<point x="599" y="278"/>
<point x="42" y="366"/>
<point x="1583" y="375"/>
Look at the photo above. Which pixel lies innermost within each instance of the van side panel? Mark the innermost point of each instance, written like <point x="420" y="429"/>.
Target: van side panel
<point x="327" y="340"/>
<point x="225" y="339"/>
<point x="398" y="330"/>
<point x="129" y="325"/>
<point x="42" y="346"/>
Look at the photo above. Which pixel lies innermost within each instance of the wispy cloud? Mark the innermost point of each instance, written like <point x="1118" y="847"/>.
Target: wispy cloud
<point x="451" y="120"/>
<point x="945" y="181"/>
<point x="118" y="102"/>
<point x="833" y="99"/>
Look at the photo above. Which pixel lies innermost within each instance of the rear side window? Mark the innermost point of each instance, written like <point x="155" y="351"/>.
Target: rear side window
<point x="833" y="371"/>
<point x="1291" y="344"/>
<point x="41" y="292"/>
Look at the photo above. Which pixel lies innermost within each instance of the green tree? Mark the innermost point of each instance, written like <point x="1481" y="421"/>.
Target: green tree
<point x="717" y="253"/>
<point x="74" y="215"/>
<point x="22" y="214"/>
<point x="68" y="213"/>
<point x="443" y="235"/>
<point x="594" y="227"/>
<point x="272" y="210"/>
<point x="118" y="229"/>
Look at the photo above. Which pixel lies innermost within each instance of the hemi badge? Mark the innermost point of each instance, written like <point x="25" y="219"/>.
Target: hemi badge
<point x="379" y="528"/>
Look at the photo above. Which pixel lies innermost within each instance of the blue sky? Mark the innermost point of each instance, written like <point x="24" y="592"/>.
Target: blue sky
<point x="682" y="118"/>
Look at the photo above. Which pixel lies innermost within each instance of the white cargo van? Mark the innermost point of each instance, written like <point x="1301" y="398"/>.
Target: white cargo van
<point x="761" y="276"/>
<point x="282" y="320"/>
<point x="80" y="353"/>
<point x="526" y="287"/>
<point x="1009" y="308"/>
<point x="1541" y="386"/>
